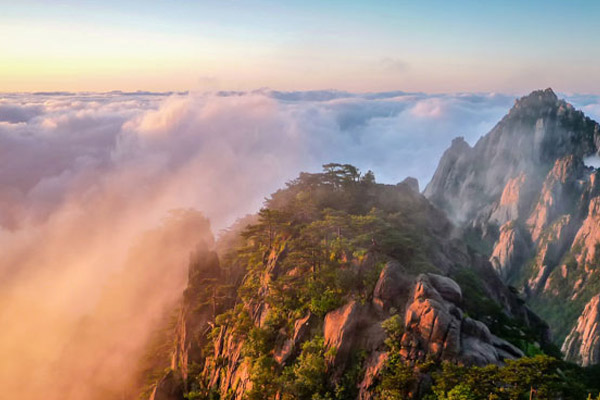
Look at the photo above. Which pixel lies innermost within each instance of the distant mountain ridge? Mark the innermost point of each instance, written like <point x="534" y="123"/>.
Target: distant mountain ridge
<point x="523" y="196"/>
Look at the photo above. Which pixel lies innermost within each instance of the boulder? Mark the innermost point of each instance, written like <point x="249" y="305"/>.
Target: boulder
<point x="340" y="330"/>
<point x="436" y="327"/>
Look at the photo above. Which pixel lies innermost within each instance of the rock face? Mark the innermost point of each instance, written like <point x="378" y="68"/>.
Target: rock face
<point x="390" y="289"/>
<point x="226" y="372"/>
<point x="301" y="332"/>
<point x="510" y="251"/>
<point x="193" y="321"/>
<point x="582" y="345"/>
<point x="524" y="192"/>
<point x="350" y="327"/>
<point x="436" y="327"/>
<point x="588" y="235"/>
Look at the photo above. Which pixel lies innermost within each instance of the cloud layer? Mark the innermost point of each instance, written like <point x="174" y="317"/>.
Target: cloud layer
<point x="85" y="177"/>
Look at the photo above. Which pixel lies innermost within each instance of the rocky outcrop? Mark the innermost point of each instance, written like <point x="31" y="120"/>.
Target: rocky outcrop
<point x="550" y="248"/>
<point x="198" y="309"/>
<point x="557" y="196"/>
<point x="349" y="328"/>
<point x="339" y="331"/>
<point x="446" y="185"/>
<point x="226" y="372"/>
<point x="588" y="235"/>
<point x="391" y="289"/>
<point x="525" y="144"/>
<point x="202" y="301"/>
<point x="509" y="207"/>
<point x="302" y="329"/>
<point x="437" y="328"/>
<point x="525" y="189"/>
<point x="373" y="368"/>
<point x="412" y="183"/>
<point x="582" y="345"/>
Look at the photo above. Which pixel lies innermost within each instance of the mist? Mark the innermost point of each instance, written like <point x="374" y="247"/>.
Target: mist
<point x="104" y="196"/>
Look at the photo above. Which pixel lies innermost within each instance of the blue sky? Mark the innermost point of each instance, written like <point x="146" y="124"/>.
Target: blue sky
<point x="432" y="46"/>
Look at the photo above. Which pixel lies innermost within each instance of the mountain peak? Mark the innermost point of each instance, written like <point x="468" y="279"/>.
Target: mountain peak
<point x="537" y="98"/>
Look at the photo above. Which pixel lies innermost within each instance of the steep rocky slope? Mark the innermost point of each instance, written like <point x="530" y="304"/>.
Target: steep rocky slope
<point x="525" y="198"/>
<point x="336" y="280"/>
<point x="582" y="343"/>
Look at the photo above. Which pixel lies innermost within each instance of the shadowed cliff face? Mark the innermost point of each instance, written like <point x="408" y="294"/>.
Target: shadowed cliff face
<point x="524" y="197"/>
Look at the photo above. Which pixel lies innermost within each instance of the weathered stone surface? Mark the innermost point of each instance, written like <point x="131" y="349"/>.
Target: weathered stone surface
<point x="436" y="327"/>
<point x="301" y="332"/>
<point x="556" y="196"/>
<point x="226" y="371"/>
<point x="392" y="288"/>
<point x="582" y="345"/>
<point x="193" y="321"/>
<point x="510" y="250"/>
<point x="373" y="367"/>
<point x="446" y="287"/>
<point x="339" y="330"/>
<point x="351" y="327"/>
<point x="510" y="201"/>
<point x="551" y="247"/>
<point x="589" y="234"/>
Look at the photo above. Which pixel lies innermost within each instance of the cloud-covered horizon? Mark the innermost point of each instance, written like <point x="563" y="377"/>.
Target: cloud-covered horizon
<point x="85" y="176"/>
<point x="263" y="137"/>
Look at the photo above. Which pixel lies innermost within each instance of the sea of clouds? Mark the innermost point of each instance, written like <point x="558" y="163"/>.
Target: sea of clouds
<point x="86" y="179"/>
<point x="237" y="147"/>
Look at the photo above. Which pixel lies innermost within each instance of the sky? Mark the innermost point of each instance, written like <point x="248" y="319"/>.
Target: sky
<point x="361" y="46"/>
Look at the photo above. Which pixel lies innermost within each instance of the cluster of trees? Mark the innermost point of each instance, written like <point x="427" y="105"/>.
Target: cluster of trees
<point x="315" y="244"/>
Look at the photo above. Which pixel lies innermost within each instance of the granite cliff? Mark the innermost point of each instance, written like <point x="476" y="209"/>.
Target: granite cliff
<point x="524" y="197"/>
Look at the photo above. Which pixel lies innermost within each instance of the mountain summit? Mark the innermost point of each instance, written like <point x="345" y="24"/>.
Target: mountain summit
<point x="524" y="197"/>
<point x="537" y="131"/>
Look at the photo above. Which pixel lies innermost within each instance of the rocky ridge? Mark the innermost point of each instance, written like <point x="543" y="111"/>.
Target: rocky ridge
<point x="524" y="197"/>
<point x="223" y="342"/>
